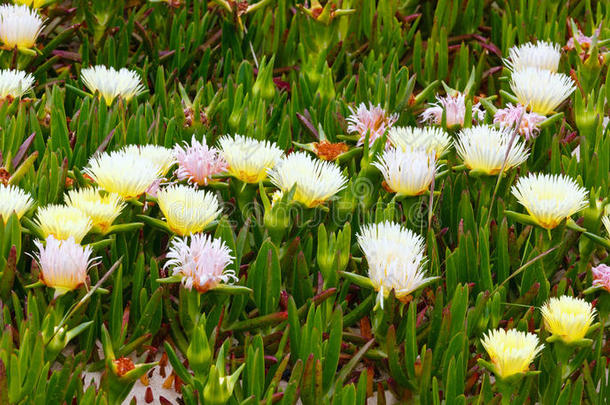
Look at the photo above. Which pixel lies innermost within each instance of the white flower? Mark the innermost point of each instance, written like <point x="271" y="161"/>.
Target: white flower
<point x="19" y="26"/>
<point x="123" y="173"/>
<point x="542" y="91"/>
<point x="542" y="55"/>
<point x="111" y="83"/>
<point x="407" y="172"/>
<point x="372" y="119"/>
<point x="14" y="83"/>
<point x="13" y="199"/>
<point x="431" y="139"/>
<point x="159" y="155"/>
<point x="186" y="209"/>
<point x="483" y="149"/>
<point x="550" y="199"/>
<point x="63" y="263"/>
<point x="202" y="262"/>
<point x="248" y="159"/>
<point x="454" y="107"/>
<point x="395" y="256"/>
<point x="316" y="180"/>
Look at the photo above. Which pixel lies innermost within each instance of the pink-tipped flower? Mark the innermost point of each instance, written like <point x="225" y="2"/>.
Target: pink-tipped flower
<point x="63" y="263"/>
<point x="372" y="119"/>
<point x="584" y="41"/>
<point x="509" y="116"/>
<point x="601" y="276"/>
<point x="202" y="262"/>
<point x="454" y="107"/>
<point x="197" y="162"/>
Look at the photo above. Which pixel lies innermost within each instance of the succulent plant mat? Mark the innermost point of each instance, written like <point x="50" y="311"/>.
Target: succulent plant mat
<point x="313" y="202"/>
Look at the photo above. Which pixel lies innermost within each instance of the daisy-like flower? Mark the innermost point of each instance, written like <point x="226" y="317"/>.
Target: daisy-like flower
<point x="14" y="83"/>
<point x="372" y="119"/>
<point x="63" y="263"/>
<point x="601" y="277"/>
<point x="541" y="55"/>
<point x="64" y="222"/>
<point x="407" y="172"/>
<point x="13" y="199"/>
<point x="550" y="199"/>
<point x="159" y="155"/>
<point x="123" y="173"/>
<point x="542" y="91"/>
<point x="395" y="256"/>
<point x="197" y="162"/>
<point x="248" y="159"/>
<point x="201" y="261"/>
<point x="316" y="180"/>
<point x="19" y="26"/>
<point x="483" y="149"/>
<point x="102" y="210"/>
<point x="187" y="210"/>
<point x="511" y="351"/>
<point x="430" y="139"/>
<point x="509" y="116"/>
<point x="567" y="317"/>
<point x="455" y="111"/>
<point x="111" y="83"/>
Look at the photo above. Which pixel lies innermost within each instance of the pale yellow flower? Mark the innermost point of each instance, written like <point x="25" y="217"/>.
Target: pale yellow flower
<point x="63" y="222"/>
<point x="111" y="83"/>
<point x="550" y="199"/>
<point x="102" y="210"/>
<point x="541" y="91"/>
<point x="248" y="159"/>
<point x="511" y="351"/>
<point x="19" y="26"/>
<point x="186" y="209"/>
<point x="567" y="317"/>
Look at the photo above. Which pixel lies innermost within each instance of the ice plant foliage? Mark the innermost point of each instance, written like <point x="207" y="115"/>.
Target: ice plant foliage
<point x="111" y="83"/>
<point x="483" y="149"/>
<point x="541" y="55"/>
<point x="102" y="209"/>
<point x="63" y="222"/>
<point x="541" y="91"/>
<point x="63" y="263"/>
<point x="316" y="180"/>
<point x="201" y="261"/>
<point x="248" y="159"/>
<point x="14" y="83"/>
<point x="19" y="26"/>
<point x="373" y="120"/>
<point x="395" y="257"/>
<point x="509" y="116"/>
<point x="198" y="162"/>
<point x="13" y="199"/>
<point x="511" y="351"/>
<point x="186" y="209"/>
<point x="407" y="172"/>
<point x="454" y="109"/>
<point x="567" y="317"/>
<point x="601" y="276"/>
<point x="550" y="199"/>
<point x="123" y="173"/>
<point x="430" y="139"/>
<point x="160" y="156"/>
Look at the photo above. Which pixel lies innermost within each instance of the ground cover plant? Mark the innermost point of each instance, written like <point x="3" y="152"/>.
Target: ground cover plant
<point x="281" y="202"/>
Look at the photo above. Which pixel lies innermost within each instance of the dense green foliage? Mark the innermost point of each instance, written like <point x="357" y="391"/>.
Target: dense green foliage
<point x="302" y="321"/>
